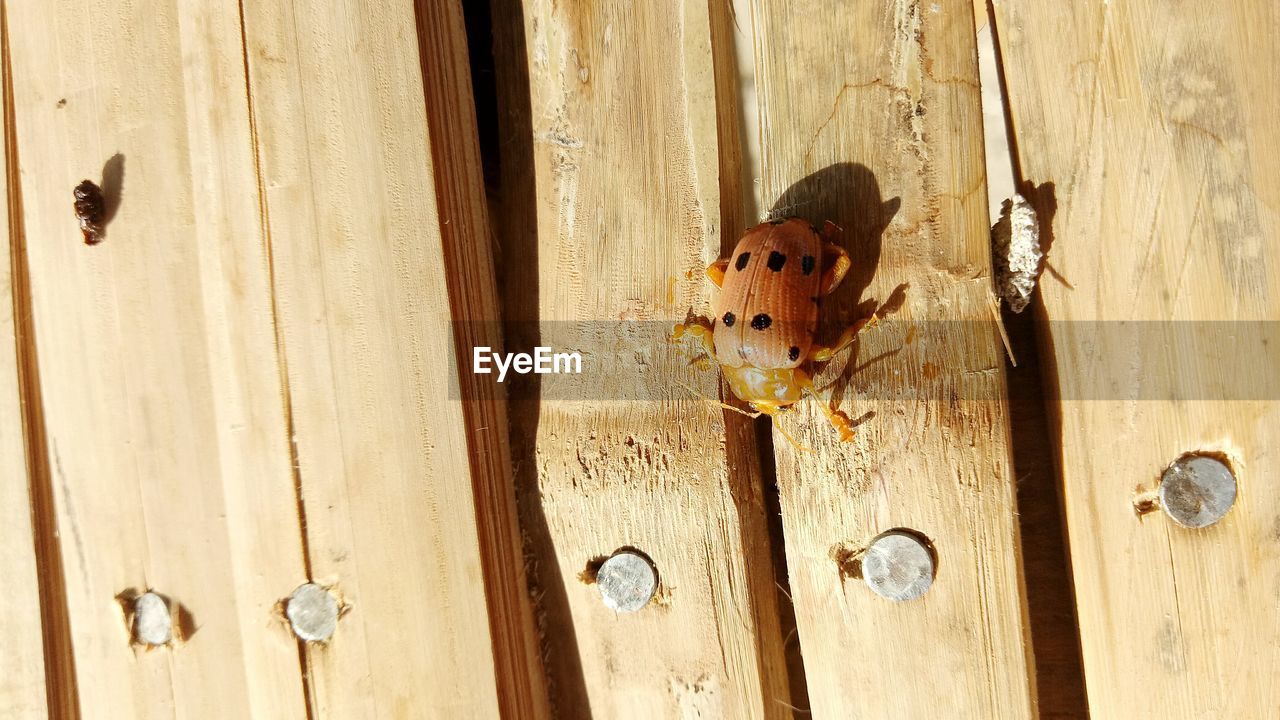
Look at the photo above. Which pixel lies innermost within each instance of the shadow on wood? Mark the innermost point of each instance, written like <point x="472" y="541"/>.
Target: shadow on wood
<point x="508" y="157"/>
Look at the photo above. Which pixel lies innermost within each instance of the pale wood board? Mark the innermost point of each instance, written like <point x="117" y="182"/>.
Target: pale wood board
<point x="161" y="394"/>
<point x="871" y="118"/>
<point x="475" y="306"/>
<point x="609" y="220"/>
<point x="362" y="297"/>
<point x="22" y="664"/>
<point x="1046" y="566"/>
<point x="1155" y="123"/>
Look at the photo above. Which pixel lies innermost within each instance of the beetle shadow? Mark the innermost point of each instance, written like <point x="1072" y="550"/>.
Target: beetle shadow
<point x="112" y="187"/>
<point x="848" y="195"/>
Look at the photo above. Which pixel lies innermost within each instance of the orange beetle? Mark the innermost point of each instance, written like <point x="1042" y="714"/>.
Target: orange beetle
<point x="762" y="334"/>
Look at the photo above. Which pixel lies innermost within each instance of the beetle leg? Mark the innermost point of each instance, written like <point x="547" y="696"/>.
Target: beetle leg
<point x="773" y="411"/>
<point x="700" y="332"/>
<point x="836" y="264"/>
<point x="822" y="353"/>
<point x="715" y="271"/>
<point x="838" y="420"/>
<point x="831" y="232"/>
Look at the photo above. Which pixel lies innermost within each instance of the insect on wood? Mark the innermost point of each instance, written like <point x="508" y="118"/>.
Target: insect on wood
<point x="762" y="334"/>
<point x="90" y="211"/>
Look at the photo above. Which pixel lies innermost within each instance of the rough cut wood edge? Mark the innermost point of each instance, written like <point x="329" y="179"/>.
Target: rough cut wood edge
<point x="871" y="118"/>
<point x="474" y="303"/>
<point x="22" y="613"/>
<point x="570" y="150"/>
<point x="161" y="397"/>
<point x="1157" y="156"/>
<point x="384" y="452"/>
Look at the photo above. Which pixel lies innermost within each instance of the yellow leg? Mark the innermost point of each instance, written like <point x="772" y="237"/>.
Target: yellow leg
<point x="837" y="264"/>
<point x="773" y="411"/>
<point x="838" y="420"/>
<point x="822" y="353"/>
<point x="699" y="332"/>
<point x="715" y="271"/>
<point x="703" y="335"/>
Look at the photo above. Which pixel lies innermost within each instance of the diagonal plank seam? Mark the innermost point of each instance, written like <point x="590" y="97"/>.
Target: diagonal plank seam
<point x="304" y="664"/>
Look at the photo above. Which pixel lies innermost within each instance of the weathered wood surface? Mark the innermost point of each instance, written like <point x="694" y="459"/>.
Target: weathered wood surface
<point x="366" y="223"/>
<point x="1150" y="127"/>
<point x="1046" y="565"/>
<point x="166" y="439"/>
<point x="871" y="118"/>
<point x="22" y="663"/>
<point x="260" y="376"/>
<point x="246" y="385"/>
<point x="609" y="221"/>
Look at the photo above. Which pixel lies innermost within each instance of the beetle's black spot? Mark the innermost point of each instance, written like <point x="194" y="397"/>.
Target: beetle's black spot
<point x="807" y="264"/>
<point x="729" y="319"/>
<point x="761" y="321"/>
<point x="743" y="259"/>
<point x="776" y="261"/>
<point x="794" y="353"/>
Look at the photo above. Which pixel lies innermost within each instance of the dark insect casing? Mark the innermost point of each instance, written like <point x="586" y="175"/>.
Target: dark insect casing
<point x="90" y="211"/>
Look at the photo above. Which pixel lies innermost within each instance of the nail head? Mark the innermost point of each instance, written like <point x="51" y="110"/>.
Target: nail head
<point x="627" y="581"/>
<point x="898" y="566"/>
<point x="312" y="612"/>
<point x="1197" y="491"/>
<point x="152" y="623"/>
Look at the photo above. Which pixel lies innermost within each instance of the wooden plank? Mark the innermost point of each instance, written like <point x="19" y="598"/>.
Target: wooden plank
<point x="162" y="398"/>
<point x="614" y="196"/>
<point x="474" y="304"/>
<point x="1161" y="155"/>
<point x="22" y="664"/>
<point x="1046" y="565"/>
<point x="871" y="118"/>
<point x="375" y="215"/>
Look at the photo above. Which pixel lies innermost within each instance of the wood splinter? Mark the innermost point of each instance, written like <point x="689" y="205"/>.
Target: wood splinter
<point x="90" y="211"/>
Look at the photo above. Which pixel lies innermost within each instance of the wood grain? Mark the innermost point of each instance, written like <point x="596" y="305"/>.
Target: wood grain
<point x="1046" y="564"/>
<point x="1161" y="155"/>
<point x="366" y="220"/>
<point x="607" y="221"/>
<point x="474" y="304"/>
<point x="871" y="118"/>
<point x="166" y="437"/>
<point x="22" y="664"/>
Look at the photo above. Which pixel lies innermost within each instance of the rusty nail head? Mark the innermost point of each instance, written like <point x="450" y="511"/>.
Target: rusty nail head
<point x="1197" y="490"/>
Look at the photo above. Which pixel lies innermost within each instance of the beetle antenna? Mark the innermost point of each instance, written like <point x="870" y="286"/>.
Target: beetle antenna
<point x="713" y="401"/>
<point x="778" y="426"/>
